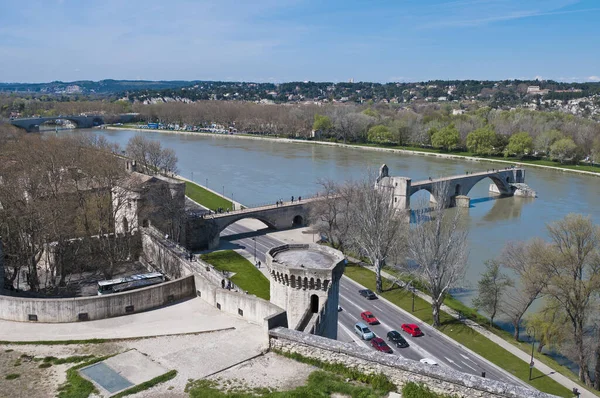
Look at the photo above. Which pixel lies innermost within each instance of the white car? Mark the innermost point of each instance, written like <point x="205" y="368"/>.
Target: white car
<point x="428" y="361"/>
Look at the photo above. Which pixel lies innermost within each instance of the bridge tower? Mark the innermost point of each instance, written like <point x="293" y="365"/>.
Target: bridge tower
<point x="305" y="282"/>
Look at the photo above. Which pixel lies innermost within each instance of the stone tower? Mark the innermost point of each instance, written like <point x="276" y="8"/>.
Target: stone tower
<point x="305" y="282"/>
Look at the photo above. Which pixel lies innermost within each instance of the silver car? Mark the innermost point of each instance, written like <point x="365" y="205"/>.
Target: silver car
<point x="363" y="331"/>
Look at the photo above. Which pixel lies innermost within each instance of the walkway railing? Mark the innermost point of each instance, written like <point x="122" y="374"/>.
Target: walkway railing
<point x="480" y="173"/>
<point x="271" y="205"/>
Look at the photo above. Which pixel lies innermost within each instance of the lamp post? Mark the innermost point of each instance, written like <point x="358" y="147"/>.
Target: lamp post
<point x="254" y="239"/>
<point x="412" y="289"/>
<point x="206" y="183"/>
<point x="192" y="176"/>
<point x="232" y="202"/>
<point x="223" y="190"/>
<point x="531" y="334"/>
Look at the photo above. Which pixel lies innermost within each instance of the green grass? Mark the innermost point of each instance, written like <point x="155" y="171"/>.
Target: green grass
<point x="319" y="384"/>
<point x="247" y="276"/>
<point x="205" y="197"/>
<point x="76" y="386"/>
<point x="12" y="376"/>
<point x="414" y="390"/>
<point x="58" y="342"/>
<point x="147" y="384"/>
<point x="461" y="333"/>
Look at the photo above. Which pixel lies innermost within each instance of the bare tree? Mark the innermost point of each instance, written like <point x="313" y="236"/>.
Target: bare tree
<point x="331" y="216"/>
<point x="520" y="257"/>
<point x="491" y="289"/>
<point x="377" y="225"/>
<point x="438" y="245"/>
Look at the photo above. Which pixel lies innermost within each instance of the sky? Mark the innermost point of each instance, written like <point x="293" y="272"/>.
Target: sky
<point x="297" y="40"/>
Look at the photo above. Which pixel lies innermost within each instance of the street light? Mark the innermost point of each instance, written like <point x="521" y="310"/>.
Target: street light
<point x="531" y="334"/>
<point x="412" y="289"/>
<point x="232" y="202"/>
<point x="254" y="239"/>
<point x="206" y="183"/>
<point x="223" y="190"/>
<point x="192" y="176"/>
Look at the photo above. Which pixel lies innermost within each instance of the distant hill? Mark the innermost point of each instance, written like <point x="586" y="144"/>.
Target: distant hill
<point x="108" y="86"/>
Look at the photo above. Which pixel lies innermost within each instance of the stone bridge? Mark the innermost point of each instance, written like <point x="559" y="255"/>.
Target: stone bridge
<point x="447" y="190"/>
<point x="32" y="124"/>
<point x="202" y="232"/>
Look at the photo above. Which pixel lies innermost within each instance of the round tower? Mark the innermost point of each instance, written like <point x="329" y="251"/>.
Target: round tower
<point x="305" y="282"/>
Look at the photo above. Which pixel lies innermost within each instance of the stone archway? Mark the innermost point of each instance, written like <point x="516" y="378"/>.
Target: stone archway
<point x="298" y="221"/>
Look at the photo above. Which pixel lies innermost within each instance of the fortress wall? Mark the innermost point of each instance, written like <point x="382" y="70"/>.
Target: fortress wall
<point x="62" y="310"/>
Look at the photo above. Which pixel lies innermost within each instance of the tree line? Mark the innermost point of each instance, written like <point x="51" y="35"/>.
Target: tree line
<point x="58" y="204"/>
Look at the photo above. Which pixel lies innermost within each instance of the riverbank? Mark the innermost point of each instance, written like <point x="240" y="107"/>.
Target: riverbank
<point x="368" y="147"/>
<point x="208" y="198"/>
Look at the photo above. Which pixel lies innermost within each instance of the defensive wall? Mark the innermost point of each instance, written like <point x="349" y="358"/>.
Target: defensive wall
<point x="210" y="284"/>
<point x="399" y="370"/>
<point x="63" y="310"/>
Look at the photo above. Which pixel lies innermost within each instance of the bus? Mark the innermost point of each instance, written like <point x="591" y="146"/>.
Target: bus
<point x="129" y="283"/>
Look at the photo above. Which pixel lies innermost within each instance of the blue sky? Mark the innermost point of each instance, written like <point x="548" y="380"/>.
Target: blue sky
<point x="292" y="40"/>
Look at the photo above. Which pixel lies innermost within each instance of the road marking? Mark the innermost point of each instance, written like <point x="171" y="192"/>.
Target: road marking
<point x="469" y="359"/>
<point x="469" y="366"/>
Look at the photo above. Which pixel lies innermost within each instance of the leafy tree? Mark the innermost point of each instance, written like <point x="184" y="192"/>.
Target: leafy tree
<point x="446" y="138"/>
<point x="563" y="149"/>
<point x="481" y="141"/>
<point x="595" y="155"/>
<point x="572" y="263"/>
<point x="380" y="134"/>
<point x="544" y="141"/>
<point x="371" y="112"/>
<point x="491" y="288"/>
<point x="322" y="123"/>
<point x="549" y="324"/>
<point x="519" y="144"/>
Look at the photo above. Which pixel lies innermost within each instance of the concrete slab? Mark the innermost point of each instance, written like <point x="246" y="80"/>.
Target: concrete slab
<point x="106" y="379"/>
<point x="135" y="366"/>
<point x="190" y="316"/>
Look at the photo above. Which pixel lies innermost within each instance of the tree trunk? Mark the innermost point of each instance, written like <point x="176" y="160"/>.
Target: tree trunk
<point x="436" y="313"/>
<point x="516" y="332"/>
<point x="584" y="374"/>
<point x="379" y="281"/>
<point x="540" y="346"/>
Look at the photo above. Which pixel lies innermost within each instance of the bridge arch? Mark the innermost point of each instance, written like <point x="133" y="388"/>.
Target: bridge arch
<point x="502" y="185"/>
<point x="242" y="216"/>
<point x="424" y="196"/>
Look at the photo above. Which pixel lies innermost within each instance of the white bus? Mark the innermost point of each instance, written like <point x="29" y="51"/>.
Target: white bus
<point x="129" y="283"/>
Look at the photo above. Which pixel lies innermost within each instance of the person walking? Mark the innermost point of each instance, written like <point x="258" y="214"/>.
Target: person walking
<point x="299" y="198"/>
<point x="292" y="199"/>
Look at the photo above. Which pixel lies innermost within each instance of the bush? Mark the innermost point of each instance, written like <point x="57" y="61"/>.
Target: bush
<point x="12" y="376"/>
<point x="414" y="390"/>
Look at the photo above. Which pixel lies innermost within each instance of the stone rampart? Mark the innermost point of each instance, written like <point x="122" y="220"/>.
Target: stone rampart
<point x="168" y="257"/>
<point x="62" y="310"/>
<point x="399" y="370"/>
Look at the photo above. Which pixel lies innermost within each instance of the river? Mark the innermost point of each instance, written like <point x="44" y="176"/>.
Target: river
<point x="257" y="171"/>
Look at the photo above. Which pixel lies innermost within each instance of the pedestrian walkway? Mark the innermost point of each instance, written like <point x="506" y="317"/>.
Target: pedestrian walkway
<point x="526" y="357"/>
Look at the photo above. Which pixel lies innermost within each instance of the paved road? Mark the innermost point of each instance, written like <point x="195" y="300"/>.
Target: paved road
<point x="432" y="345"/>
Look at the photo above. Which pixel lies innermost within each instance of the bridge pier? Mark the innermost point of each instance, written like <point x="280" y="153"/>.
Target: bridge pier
<point x="462" y="201"/>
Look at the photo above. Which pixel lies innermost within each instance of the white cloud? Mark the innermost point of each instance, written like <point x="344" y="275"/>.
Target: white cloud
<point x="594" y="78"/>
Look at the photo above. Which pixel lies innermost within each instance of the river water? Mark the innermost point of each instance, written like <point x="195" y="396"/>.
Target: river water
<point x="256" y="171"/>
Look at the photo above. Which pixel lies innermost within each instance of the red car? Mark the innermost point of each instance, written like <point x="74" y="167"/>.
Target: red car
<point x="381" y="345"/>
<point x="368" y="317"/>
<point x="412" y="329"/>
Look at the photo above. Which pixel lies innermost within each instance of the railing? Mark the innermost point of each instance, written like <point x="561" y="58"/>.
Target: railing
<point x="269" y="205"/>
<point x="480" y="173"/>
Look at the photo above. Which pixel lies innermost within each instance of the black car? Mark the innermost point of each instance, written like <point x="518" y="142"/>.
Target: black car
<point x="368" y="294"/>
<point x="397" y="339"/>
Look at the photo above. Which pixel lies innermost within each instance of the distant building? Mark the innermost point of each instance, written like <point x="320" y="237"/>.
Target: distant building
<point x="535" y="90"/>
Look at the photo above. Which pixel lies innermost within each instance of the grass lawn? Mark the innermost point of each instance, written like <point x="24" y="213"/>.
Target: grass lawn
<point x="461" y="333"/>
<point x="247" y="276"/>
<point x="205" y="197"/>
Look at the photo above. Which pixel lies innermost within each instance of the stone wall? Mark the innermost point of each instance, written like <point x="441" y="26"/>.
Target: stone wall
<point x="170" y="258"/>
<point x="56" y="310"/>
<point x="399" y="370"/>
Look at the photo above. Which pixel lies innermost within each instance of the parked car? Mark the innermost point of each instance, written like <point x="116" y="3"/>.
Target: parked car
<point x="395" y="337"/>
<point x="363" y="331"/>
<point x="368" y="317"/>
<point x="428" y="361"/>
<point x="339" y="308"/>
<point x="381" y="345"/>
<point x="368" y="294"/>
<point x="412" y="329"/>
